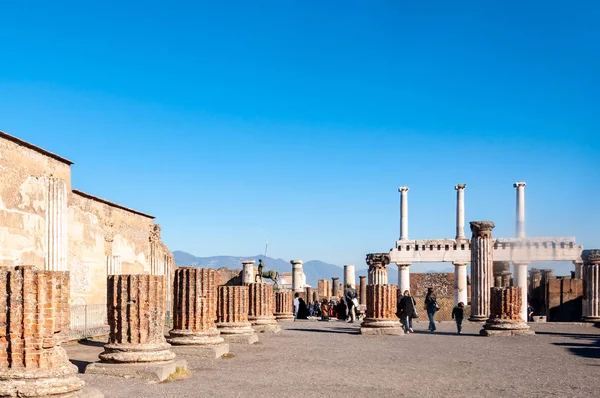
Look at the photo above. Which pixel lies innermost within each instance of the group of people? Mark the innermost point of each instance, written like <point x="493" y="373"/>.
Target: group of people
<point x="406" y="310"/>
<point x="344" y="308"/>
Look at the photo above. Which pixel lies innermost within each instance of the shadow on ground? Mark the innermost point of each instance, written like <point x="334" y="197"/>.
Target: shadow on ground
<point x="80" y="365"/>
<point x="586" y="345"/>
<point x="337" y="330"/>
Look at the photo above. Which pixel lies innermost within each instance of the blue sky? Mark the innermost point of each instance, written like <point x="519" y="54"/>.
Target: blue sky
<point x="297" y="121"/>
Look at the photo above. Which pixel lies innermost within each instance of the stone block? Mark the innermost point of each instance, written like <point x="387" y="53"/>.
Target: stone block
<point x="241" y="338"/>
<point x="152" y="371"/>
<point x="202" y="351"/>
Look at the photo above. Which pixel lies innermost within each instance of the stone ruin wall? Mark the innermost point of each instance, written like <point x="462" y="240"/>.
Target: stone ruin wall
<point x="443" y="286"/>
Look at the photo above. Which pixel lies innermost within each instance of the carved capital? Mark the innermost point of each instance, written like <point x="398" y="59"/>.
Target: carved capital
<point x="403" y="189"/>
<point x="519" y="184"/>
<point x="460" y="186"/>
<point x="591" y="257"/>
<point x="482" y="229"/>
<point x="155" y="233"/>
<point x="375" y="260"/>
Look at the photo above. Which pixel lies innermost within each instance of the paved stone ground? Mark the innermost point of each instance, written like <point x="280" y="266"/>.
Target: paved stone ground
<point x="317" y="359"/>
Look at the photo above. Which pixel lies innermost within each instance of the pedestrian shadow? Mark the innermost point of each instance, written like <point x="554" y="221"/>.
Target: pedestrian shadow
<point x="81" y="365"/>
<point x="443" y="333"/>
<point x="585" y="345"/>
<point x="335" y="331"/>
<point x="91" y="343"/>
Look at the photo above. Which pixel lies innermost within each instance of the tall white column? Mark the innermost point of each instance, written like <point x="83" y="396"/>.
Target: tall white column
<point x="591" y="282"/>
<point x="520" y="208"/>
<point x="56" y="226"/>
<point x="349" y="276"/>
<point x="460" y="283"/>
<point x="403" y="213"/>
<point x="460" y="210"/>
<point x="403" y="277"/>
<point x="520" y="280"/>
<point x="247" y="272"/>
<point x="296" y="275"/>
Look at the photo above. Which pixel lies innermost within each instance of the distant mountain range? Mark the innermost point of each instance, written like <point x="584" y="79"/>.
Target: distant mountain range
<point x="314" y="269"/>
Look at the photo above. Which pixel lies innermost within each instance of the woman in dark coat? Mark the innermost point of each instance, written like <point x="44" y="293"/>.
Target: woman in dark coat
<point x="406" y="310"/>
<point x="302" y="310"/>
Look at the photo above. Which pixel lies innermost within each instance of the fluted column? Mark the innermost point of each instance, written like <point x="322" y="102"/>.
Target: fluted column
<point x="284" y="306"/>
<point x="362" y="297"/>
<point x="505" y="313"/>
<point x="296" y="275"/>
<point x="501" y="273"/>
<point x="34" y="321"/>
<point x="520" y="280"/>
<point x="195" y="313"/>
<point x="403" y="212"/>
<point x="591" y="283"/>
<point x="232" y="315"/>
<point x="482" y="258"/>
<point x="56" y="226"/>
<point x="335" y="287"/>
<point x="113" y="265"/>
<point x="377" y="263"/>
<point x="261" y="308"/>
<point x="381" y="308"/>
<point x="403" y="277"/>
<point x="520" y="213"/>
<point x="460" y="210"/>
<point x="248" y="275"/>
<point x="460" y="283"/>
<point x="349" y="276"/>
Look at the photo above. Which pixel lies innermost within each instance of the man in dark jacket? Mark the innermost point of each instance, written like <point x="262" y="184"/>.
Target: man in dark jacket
<point x="349" y="296"/>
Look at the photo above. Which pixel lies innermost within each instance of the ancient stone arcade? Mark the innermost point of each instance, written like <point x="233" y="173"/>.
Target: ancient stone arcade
<point x="380" y="318"/>
<point x="136" y="345"/>
<point x="505" y="314"/>
<point x="232" y="315"/>
<point x="48" y="225"/>
<point x="261" y="308"/>
<point x="284" y="306"/>
<point x="194" y="314"/>
<point x="32" y="328"/>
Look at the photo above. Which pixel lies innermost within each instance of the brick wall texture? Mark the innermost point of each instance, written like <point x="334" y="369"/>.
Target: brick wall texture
<point x="195" y="299"/>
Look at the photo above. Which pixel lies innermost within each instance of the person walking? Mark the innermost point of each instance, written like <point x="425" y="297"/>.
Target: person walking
<point x="407" y="311"/>
<point x="458" y="314"/>
<point x="350" y="296"/>
<point x="296" y="304"/>
<point x="431" y="306"/>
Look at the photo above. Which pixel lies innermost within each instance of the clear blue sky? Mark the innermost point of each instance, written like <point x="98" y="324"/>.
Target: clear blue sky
<point x="296" y="121"/>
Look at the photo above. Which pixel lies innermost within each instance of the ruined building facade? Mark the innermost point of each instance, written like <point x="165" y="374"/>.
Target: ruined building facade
<point x="47" y="224"/>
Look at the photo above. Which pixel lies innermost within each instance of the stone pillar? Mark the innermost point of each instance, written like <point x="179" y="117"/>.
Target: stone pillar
<point x="578" y="269"/>
<point x="505" y="313"/>
<point x="324" y="288"/>
<point x="260" y="313"/>
<point x="194" y="314"/>
<point x="284" y="306"/>
<point x="56" y="226"/>
<point x="520" y="209"/>
<point x="248" y="272"/>
<point x="309" y="294"/>
<point x="136" y="316"/>
<point x="403" y="277"/>
<point x="232" y="315"/>
<point x="520" y="280"/>
<point x="349" y="276"/>
<point x="377" y="263"/>
<point x="113" y="265"/>
<point x="335" y="287"/>
<point x="482" y="258"/>
<point x="296" y="275"/>
<point x="460" y="211"/>
<point x="501" y="274"/>
<point x="591" y="285"/>
<point x="380" y="316"/>
<point x="363" y="290"/>
<point x="460" y="283"/>
<point x="403" y="213"/>
<point x="34" y="321"/>
<point x="315" y="296"/>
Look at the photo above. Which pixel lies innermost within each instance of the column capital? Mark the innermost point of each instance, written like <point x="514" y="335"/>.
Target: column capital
<point x="403" y="265"/>
<point x="377" y="259"/>
<point x="459" y="264"/>
<point x="296" y="262"/>
<point x="591" y="257"/>
<point x="244" y="262"/>
<point x="460" y="186"/>
<point x="482" y="228"/>
<point x="519" y="184"/>
<point x="403" y="189"/>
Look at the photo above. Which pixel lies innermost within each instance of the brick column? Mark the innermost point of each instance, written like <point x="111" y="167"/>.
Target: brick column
<point x="591" y="285"/>
<point x="284" y="306"/>
<point x="309" y="294"/>
<point x="232" y="315"/>
<point x="381" y="309"/>
<point x="260" y="313"/>
<point x="34" y="321"/>
<point x="482" y="258"/>
<point x="505" y="313"/>
<point x="194" y="314"/>
<point x="377" y="263"/>
<point x="362" y="296"/>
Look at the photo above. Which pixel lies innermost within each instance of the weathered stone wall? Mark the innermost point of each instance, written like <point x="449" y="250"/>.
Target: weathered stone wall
<point x="565" y="298"/>
<point x="24" y="190"/>
<point x="443" y="286"/>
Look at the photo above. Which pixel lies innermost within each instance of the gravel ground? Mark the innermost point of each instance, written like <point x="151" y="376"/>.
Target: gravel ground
<point x="320" y="359"/>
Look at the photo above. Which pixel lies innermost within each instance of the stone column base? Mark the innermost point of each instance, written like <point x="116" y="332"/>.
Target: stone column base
<point x="134" y="353"/>
<point x="283" y="317"/>
<point x="237" y="332"/>
<point x="264" y="324"/>
<point x="590" y="319"/>
<point x="478" y="318"/>
<point x="157" y="371"/>
<point x="499" y="327"/>
<point x="202" y="351"/>
<point x="188" y="337"/>
<point x="58" y="381"/>
<point x="374" y="326"/>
